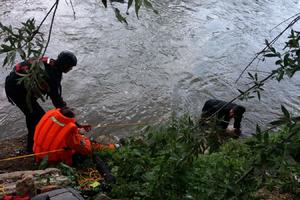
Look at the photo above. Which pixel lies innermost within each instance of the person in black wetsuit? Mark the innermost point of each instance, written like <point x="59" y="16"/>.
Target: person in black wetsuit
<point x="225" y="111"/>
<point x="17" y="93"/>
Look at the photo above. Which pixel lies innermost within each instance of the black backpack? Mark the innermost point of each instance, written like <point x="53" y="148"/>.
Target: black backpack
<point x="59" y="194"/>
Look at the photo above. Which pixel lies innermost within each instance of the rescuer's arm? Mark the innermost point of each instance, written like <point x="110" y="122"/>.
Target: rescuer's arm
<point x="79" y="143"/>
<point x="86" y="127"/>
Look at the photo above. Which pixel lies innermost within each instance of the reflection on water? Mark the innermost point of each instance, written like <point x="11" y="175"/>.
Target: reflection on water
<point x="161" y="64"/>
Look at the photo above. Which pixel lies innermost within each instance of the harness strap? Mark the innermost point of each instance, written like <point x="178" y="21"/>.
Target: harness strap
<point x="20" y="67"/>
<point x="24" y="66"/>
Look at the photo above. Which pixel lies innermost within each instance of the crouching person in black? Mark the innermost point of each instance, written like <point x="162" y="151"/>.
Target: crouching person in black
<point x="17" y="93"/>
<point x="224" y="111"/>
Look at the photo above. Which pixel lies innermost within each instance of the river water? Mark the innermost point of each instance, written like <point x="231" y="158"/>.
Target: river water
<point x="159" y="65"/>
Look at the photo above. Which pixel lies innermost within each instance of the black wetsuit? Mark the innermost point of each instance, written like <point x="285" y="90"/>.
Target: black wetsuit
<point x="17" y="94"/>
<point x="211" y="106"/>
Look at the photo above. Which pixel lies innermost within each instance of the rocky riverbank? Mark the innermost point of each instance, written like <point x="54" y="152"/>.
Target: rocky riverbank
<point x="17" y="172"/>
<point x="20" y="176"/>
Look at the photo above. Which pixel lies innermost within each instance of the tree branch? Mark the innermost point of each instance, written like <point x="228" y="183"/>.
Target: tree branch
<point x="51" y="26"/>
<point x="267" y="46"/>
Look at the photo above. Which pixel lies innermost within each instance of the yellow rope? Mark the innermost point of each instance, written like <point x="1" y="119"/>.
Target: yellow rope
<point x="99" y="126"/>
<point x="30" y="155"/>
<point x="120" y="125"/>
<point x="87" y="177"/>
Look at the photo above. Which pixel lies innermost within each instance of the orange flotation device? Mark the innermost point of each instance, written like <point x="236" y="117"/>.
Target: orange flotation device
<point x="51" y="134"/>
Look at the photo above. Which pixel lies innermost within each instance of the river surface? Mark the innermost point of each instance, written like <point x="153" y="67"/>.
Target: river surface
<point x="158" y="65"/>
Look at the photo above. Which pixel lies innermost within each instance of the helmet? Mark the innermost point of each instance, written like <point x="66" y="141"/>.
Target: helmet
<point x="66" y="58"/>
<point x="68" y="112"/>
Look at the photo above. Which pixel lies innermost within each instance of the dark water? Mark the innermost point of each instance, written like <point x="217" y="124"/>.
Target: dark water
<point x="161" y="64"/>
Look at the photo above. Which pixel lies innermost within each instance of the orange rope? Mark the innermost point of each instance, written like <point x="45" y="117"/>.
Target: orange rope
<point x="89" y="176"/>
<point x="2" y="189"/>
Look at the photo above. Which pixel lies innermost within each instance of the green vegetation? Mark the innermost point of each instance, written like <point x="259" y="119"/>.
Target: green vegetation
<point x="162" y="164"/>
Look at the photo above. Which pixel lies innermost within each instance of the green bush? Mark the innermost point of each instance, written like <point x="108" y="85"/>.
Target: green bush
<point x="164" y="163"/>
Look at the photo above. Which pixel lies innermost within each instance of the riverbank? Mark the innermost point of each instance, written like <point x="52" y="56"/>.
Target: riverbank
<point x="14" y="148"/>
<point x="11" y="148"/>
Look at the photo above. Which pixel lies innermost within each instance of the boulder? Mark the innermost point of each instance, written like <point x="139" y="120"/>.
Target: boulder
<point x="32" y="182"/>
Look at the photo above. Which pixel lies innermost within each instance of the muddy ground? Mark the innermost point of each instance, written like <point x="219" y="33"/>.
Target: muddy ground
<point x="14" y="149"/>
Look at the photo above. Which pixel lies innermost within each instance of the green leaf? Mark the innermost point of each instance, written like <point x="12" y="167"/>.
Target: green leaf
<point x="258" y="134"/>
<point x="286" y="60"/>
<point x="278" y="62"/>
<point x="12" y="57"/>
<point x="280" y="76"/>
<point x="5" y="61"/>
<point x="148" y="4"/>
<point x="278" y="122"/>
<point x="44" y="163"/>
<point x="258" y="129"/>
<point x="95" y="184"/>
<point x="252" y="77"/>
<point x="8" y="30"/>
<point x="241" y="92"/>
<point x="272" y="49"/>
<point x="22" y="53"/>
<point x="6" y="48"/>
<point x="119" y="16"/>
<point x="67" y="170"/>
<point x="258" y="94"/>
<point x="266" y="138"/>
<point x="129" y="4"/>
<point x="138" y="4"/>
<point x="285" y="112"/>
<point x="267" y="42"/>
<point x="296" y="119"/>
<point x="104" y="3"/>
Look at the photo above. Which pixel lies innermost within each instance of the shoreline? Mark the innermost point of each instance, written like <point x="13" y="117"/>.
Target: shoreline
<point x="14" y="147"/>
